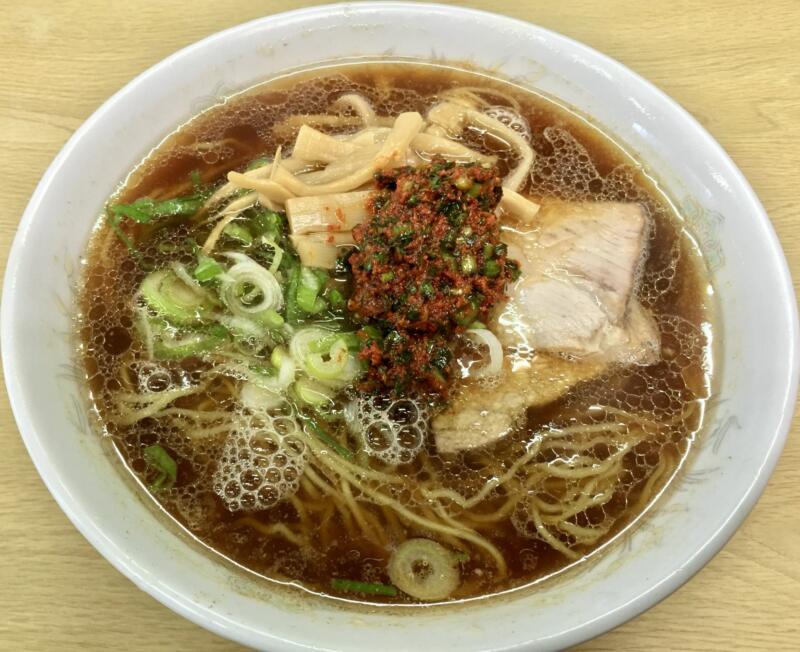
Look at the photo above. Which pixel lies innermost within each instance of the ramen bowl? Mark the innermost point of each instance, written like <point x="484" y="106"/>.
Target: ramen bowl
<point x="756" y="336"/>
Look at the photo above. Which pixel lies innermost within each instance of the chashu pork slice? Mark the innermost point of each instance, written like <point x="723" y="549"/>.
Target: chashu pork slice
<point x="579" y="268"/>
<point x="576" y="297"/>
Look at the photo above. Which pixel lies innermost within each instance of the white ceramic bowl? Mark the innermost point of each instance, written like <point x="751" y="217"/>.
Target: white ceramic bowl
<point x="728" y="470"/>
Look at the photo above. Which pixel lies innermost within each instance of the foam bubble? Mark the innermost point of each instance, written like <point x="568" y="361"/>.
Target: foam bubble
<point x="152" y="377"/>
<point x="511" y="119"/>
<point x="392" y="431"/>
<point x="261" y="462"/>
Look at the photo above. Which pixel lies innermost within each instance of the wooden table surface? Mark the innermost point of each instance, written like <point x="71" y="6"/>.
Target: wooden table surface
<point x="733" y="64"/>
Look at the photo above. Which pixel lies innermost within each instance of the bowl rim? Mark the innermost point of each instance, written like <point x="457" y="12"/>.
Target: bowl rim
<point x="199" y="614"/>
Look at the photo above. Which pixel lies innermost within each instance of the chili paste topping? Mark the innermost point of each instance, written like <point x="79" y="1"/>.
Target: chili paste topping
<point x="429" y="264"/>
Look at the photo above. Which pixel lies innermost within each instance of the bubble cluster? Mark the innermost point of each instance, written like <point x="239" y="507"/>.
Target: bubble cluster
<point x="648" y="411"/>
<point x="659" y="395"/>
<point x="260" y="463"/>
<point x="152" y="377"/>
<point x="373" y="571"/>
<point x="392" y="431"/>
<point x="564" y="168"/>
<point x="659" y="277"/>
<point x="510" y="118"/>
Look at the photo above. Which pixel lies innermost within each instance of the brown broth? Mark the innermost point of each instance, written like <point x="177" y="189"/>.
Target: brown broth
<point x="227" y="137"/>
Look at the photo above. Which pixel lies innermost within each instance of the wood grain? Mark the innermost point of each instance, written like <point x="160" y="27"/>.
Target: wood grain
<point x="733" y="64"/>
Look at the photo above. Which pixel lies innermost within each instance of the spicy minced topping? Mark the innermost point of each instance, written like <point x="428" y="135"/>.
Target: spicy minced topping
<point x="429" y="264"/>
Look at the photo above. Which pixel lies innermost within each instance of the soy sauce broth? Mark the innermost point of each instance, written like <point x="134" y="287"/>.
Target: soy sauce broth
<point x="575" y="161"/>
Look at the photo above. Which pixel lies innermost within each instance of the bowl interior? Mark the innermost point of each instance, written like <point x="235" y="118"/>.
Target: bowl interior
<point x="728" y="469"/>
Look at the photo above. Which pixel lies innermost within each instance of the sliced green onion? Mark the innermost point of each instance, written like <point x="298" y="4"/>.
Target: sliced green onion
<point x="351" y="340"/>
<point x="263" y="370"/>
<point x="113" y="222"/>
<point x="449" y="240"/>
<point x="463" y="183"/>
<point x="286" y="373"/>
<point x="239" y="233"/>
<point x="167" y="468"/>
<point x="308" y="305"/>
<point x="174" y="299"/>
<point x="491" y="268"/>
<point x="342" y="367"/>
<point x="424" y="569"/>
<point x="336" y="299"/>
<point x="207" y="268"/>
<point x="277" y="356"/>
<point x="307" y="291"/>
<point x="267" y="223"/>
<point x="324" y="437"/>
<point x="312" y="393"/>
<point x="324" y="344"/>
<point x="466" y="315"/>
<point x="331" y="369"/>
<point x="190" y="245"/>
<point x="322" y="276"/>
<point x="270" y="318"/>
<point x="242" y="327"/>
<point x="292" y="309"/>
<point x="145" y="210"/>
<point x="373" y="333"/>
<point x="402" y="235"/>
<point x="265" y="377"/>
<point x="248" y="289"/>
<point x="277" y="254"/>
<point x="368" y="588"/>
<point x="427" y="290"/>
<point x="468" y="264"/>
<point x="454" y="212"/>
<point x="169" y="345"/>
